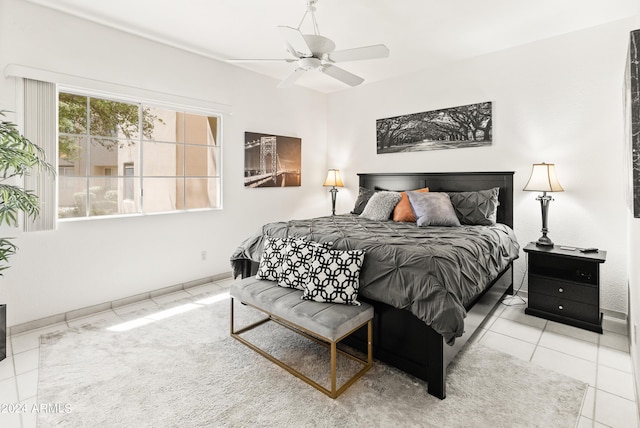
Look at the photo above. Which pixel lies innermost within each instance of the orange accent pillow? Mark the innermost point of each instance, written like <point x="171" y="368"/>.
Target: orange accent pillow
<point x="403" y="211"/>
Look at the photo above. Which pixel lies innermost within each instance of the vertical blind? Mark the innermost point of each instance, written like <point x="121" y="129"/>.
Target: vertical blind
<point x="40" y="127"/>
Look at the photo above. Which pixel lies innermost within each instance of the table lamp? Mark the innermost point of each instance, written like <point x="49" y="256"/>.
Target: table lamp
<point x="334" y="180"/>
<point x="543" y="179"/>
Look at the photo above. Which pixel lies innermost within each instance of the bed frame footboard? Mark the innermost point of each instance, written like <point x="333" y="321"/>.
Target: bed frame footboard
<point x="406" y="342"/>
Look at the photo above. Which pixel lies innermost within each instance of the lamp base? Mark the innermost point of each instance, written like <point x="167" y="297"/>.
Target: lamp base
<point x="544" y="241"/>
<point x="333" y="191"/>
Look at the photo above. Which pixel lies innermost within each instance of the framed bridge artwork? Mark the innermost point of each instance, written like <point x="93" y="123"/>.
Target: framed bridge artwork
<point x="449" y="128"/>
<point x="271" y="160"/>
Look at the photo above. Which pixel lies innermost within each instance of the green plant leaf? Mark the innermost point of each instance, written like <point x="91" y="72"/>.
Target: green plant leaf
<point x="18" y="157"/>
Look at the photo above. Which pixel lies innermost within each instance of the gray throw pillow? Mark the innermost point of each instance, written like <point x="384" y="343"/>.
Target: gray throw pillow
<point x="433" y="209"/>
<point x="476" y="208"/>
<point x="381" y="205"/>
<point x="364" y="195"/>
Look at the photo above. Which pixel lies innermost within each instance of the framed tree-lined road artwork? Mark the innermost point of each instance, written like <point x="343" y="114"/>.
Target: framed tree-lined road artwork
<point x="271" y="160"/>
<point x="449" y="128"/>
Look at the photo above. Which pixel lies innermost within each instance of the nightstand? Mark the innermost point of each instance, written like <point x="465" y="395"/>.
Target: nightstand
<point x="564" y="285"/>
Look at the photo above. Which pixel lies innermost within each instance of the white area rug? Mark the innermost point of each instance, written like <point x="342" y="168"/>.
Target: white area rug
<point x="186" y="371"/>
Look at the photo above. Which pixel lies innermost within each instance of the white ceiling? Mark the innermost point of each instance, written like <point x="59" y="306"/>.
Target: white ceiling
<point x="419" y="33"/>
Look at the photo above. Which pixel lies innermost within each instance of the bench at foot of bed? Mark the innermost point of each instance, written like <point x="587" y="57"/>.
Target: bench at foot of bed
<point x="325" y="323"/>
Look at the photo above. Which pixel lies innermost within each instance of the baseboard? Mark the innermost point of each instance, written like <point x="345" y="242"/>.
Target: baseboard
<point x="633" y="347"/>
<point x="614" y="314"/>
<point x="90" y="310"/>
<point x="3" y="331"/>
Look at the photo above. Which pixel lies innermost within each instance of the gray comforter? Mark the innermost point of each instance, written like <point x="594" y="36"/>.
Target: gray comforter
<point x="431" y="271"/>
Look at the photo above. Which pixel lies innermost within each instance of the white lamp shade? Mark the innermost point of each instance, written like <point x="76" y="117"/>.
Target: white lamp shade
<point x="333" y="178"/>
<point x="543" y="179"/>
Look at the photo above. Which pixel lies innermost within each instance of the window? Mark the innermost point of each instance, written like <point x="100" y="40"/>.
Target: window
<point x="128" y="181"/>
<point x="121" y="157"/>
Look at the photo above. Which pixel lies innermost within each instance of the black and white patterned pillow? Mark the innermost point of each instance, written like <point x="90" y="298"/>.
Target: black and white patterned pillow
<point x="334" y="276"/>
<point x="273" y="254"/>
<point x="295" y="266"/>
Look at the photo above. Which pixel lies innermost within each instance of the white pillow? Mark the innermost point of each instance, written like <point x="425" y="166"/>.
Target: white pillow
<point x="295" y="266"/>
<point x="273" y="254"/>
<point x="334" y="276"/>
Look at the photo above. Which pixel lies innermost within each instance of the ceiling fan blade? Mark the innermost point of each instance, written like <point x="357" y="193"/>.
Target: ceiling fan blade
<point x="296" y="44"/>
<point x="262" y="60"/>
<point x="359" y="54"/>
<point x="288" y="81"/>
<point x="342" y="75"/>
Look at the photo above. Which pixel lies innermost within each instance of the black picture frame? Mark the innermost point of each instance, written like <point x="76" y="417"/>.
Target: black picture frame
<point x="634" y="128"/>
<point x="272" y="160"/>
<point x="450" y="128"/>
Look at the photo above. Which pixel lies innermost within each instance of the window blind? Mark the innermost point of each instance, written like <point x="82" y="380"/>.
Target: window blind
<point x="40" y="127"/>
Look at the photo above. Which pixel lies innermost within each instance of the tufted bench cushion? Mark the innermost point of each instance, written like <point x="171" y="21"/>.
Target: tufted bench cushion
<point x="332" y="321"/>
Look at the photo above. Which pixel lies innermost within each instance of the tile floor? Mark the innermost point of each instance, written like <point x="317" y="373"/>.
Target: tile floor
<point x="601" y="361"/>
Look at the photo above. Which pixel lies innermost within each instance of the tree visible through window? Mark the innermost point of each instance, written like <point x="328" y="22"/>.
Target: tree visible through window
<point x="121" y="157"/>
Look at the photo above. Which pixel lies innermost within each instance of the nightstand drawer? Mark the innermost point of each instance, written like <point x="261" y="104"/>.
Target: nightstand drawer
<point x="562" y="289"/>
<point x="564" y="307"/>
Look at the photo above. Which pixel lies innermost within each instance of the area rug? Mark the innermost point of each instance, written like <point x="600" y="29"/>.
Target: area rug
<point x="185" y="371"/>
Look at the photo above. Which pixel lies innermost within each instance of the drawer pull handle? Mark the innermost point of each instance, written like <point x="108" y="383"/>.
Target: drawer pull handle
<point x="560" y="307"/>
<point x="583" y="275"/>
<point x="560" y="290"/>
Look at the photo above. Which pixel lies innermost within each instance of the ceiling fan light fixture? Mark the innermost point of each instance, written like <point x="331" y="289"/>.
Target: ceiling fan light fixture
<point x="309" y="63"/>
<point x="319" y="45"/>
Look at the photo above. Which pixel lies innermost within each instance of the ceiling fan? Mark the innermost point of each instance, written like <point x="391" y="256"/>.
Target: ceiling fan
<point x="316" y="52"/>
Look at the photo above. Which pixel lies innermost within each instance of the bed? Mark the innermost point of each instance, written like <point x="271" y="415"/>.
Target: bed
<point x="424" y="312"/>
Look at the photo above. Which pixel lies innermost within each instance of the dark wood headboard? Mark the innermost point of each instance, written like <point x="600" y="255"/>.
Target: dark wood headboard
<point x="448" y="182"/>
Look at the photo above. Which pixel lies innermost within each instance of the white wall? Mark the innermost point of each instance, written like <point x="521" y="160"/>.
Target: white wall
<point x="634" y="294"/>
<point x="556" y="101"/>
<point x="90" y="262"/>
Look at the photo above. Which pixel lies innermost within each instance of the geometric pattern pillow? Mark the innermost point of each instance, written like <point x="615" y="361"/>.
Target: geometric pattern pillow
<point x="334" y="276"/>
<point x="295" y="266"/>
<point x="476" y="208"/>
<point x="273" y="255"/>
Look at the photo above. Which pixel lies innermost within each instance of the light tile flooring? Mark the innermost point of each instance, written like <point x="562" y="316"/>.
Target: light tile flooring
<point x="601" y="361"/>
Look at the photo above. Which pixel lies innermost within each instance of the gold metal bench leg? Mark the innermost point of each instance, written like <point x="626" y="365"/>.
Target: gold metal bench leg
<point x="333" y="393"/>
<point x="333" y="370"/>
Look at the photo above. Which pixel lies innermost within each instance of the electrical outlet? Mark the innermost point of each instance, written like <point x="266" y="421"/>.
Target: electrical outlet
<point x="203" y="253"/>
